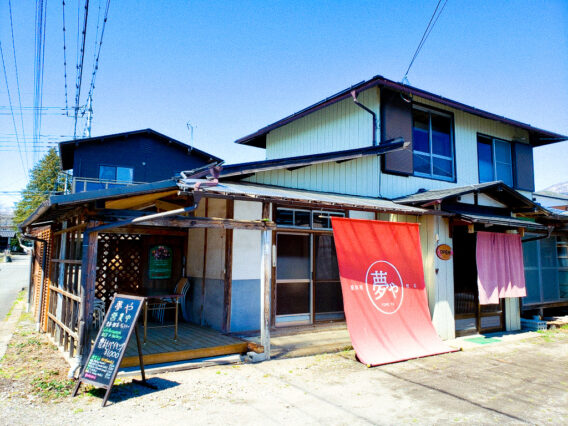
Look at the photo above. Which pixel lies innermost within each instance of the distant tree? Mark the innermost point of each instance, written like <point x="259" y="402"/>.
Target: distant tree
<point x="45" y="179"/>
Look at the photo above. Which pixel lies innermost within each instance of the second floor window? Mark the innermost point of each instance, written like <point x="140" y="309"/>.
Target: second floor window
<point x="433" y="148"/>
<point x="495" y="160"/>
<point x="116" y="174"/>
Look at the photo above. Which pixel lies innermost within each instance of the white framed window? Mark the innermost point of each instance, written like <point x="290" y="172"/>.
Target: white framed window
<point x="116" y="174"/>
<point x="433" y="145"/>
<point x="495" y="160"/>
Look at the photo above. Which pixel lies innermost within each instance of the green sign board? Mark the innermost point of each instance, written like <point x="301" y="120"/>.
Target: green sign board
<point x="160" y="264"/>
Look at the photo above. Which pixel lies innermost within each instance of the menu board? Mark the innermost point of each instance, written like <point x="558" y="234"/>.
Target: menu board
<point x="112" y="339"/>
<point x="160" y="262"/>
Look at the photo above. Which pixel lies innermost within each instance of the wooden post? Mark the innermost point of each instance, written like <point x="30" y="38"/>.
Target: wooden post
<point x="88" y="279"/>
<point x="61" y="280"/>
<point x="265" y="285"/>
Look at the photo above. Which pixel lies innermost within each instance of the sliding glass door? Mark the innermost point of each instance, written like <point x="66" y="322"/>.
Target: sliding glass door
<point x="293" y="279"/>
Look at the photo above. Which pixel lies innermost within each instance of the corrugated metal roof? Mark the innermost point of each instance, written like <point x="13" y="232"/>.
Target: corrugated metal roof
<point x="7" y="234"/>
<point x="101" y="194"/>
<point x="440" y="194"/>
<point x="497" y="190"/>
<point x="499" y="220"/>
<point x="276" y="193"/>
<point x="258" y="138"/>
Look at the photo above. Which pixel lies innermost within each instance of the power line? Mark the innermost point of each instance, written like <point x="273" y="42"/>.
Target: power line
<point x="65" y="61"/>
<point x="18" y="82"/>
<point x="87" y="129"/>
<point x="427" y="31"/>
<point x="40" y="24"/>
<point x="12" y="111"/>
<point x="80" y="67"/>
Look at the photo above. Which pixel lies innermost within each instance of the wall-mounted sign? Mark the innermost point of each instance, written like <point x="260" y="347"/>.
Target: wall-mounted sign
<point x="444" y="252"/>
<point x="160" y="263"/>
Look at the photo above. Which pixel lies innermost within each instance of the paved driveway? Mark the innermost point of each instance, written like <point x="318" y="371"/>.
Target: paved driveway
<point x="13" y="278"/>
<point x="514" y="382"/>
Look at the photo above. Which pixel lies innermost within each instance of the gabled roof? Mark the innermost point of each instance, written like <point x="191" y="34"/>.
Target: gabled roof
<point x="292" y="163"/>
<point x="539" y="136"/>
<point x="67" y="148"/>
<point x="497" y="190"/>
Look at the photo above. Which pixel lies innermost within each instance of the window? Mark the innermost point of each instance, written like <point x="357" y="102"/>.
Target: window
<point x="433" y="148"/>
<point x="495" y="160"/>
<point x="293" y="218"/>
<point x="546" y="270"/>
<point x="116" y="174"/>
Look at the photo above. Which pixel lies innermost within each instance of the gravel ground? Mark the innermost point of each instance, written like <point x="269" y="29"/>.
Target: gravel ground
<point x="514" y="382"/>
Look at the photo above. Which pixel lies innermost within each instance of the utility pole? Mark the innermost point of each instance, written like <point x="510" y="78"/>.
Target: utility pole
<point x="190" y="128"/>
<point x="87" y="130"/>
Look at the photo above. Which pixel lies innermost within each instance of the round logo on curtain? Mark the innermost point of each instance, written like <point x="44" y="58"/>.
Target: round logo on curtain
<point x="384" y="287"/>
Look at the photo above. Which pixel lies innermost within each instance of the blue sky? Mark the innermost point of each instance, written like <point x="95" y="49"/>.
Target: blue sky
<point x="232" y="67"/>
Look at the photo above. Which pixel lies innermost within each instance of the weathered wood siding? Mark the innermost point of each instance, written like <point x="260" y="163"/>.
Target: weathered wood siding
<point x="206" y="267"/>
<point x="345" y="126"/>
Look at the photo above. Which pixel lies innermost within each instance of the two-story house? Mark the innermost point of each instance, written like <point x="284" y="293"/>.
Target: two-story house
<point x="128" y="158"/>
<point x="473" y="168"/>
<point x="256" y="242"/>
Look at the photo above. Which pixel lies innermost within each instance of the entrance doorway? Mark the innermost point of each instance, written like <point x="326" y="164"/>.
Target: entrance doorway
<point x="471" y="317"/>
<point x="308" y="287"/>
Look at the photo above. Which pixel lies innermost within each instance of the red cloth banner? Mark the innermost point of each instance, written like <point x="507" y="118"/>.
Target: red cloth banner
<point x="384" y="296"/>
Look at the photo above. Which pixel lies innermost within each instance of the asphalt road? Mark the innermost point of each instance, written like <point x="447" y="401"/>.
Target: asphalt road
<point x="13" y="278"/>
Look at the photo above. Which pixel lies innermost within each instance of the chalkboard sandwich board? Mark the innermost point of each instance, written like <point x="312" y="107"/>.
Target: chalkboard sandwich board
<point x="108" y="350"/>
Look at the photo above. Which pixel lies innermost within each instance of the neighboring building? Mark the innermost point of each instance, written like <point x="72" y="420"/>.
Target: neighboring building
<point x="256" y="243"/>
<point x="128" y="158"/>
<point x="551" y="200"/>
<point x="6" y="236"/>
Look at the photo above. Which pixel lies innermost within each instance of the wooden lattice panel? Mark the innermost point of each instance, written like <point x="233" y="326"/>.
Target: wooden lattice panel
<point x="41" y="305"/>
<point x="119" y="261"/>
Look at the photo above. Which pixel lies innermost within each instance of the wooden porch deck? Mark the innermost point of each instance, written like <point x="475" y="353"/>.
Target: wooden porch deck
<point x="193" y="342"/>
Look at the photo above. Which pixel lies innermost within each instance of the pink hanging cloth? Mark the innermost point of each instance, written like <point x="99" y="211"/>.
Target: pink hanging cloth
<point x="500" y="268"/>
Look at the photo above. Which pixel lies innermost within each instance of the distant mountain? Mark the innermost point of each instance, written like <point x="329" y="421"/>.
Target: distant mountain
<point x="562" y="188"/>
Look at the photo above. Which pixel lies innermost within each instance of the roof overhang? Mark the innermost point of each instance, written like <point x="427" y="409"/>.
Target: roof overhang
<point x="496" y="220"/>
<point x="291" y="163"/>
<point x="313" y="199"/>
<point x="538" y="136"/>
<point x="496" y="190"/>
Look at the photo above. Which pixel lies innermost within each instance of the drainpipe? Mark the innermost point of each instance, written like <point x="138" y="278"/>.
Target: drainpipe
<point x="43" y="262"/>
<point x="370" y="111"/>
<point x="83" y="332"/>
<point x="540" y="237"/>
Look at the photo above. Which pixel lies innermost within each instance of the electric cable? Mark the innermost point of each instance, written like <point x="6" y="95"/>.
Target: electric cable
<point x="80" y="67"/>
<point x="427" y="31"/>
<point x="10" y="103"/>
<point x="18" y="84"/>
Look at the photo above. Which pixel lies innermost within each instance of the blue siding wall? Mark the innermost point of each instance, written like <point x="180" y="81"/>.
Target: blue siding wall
<point x="162" y="161"/>
<point x="245" y="305"/>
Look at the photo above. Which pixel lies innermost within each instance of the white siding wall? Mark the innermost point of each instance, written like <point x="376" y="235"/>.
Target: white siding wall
<point x="340" y="126"/>
<point x="345" y="126"/>
<point x="246" y="243"/>
<point x="438" y="274"/>
<point x="512" y="314"/>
